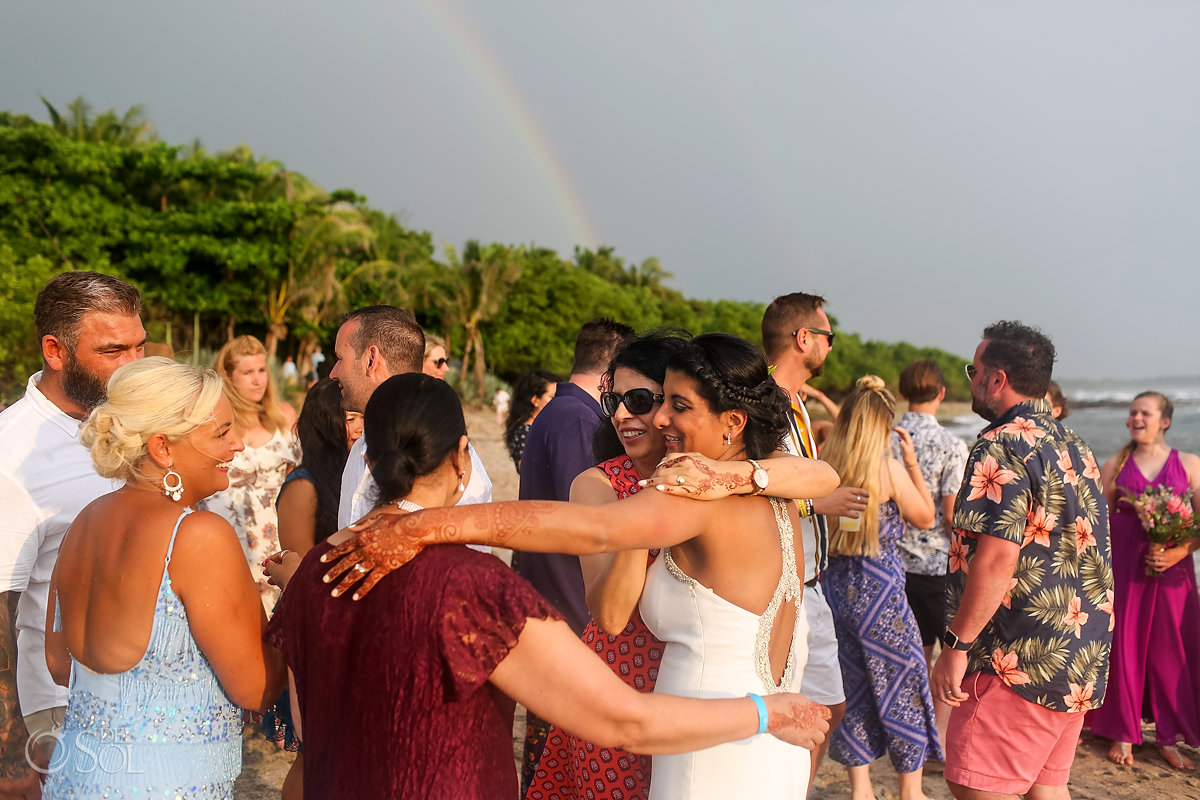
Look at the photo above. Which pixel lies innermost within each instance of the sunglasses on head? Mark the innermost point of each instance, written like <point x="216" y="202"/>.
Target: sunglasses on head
<point x="637" y="401"/>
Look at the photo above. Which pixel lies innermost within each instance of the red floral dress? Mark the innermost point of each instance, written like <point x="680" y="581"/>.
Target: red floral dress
<point x="573" y="769"/>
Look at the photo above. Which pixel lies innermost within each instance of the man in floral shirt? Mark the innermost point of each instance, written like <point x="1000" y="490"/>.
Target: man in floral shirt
<point x="1029" y="590"/>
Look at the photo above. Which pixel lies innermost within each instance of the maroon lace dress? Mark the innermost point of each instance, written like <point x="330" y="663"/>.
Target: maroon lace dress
<point x="393" y="690"/>
<point x="572" y="768"/>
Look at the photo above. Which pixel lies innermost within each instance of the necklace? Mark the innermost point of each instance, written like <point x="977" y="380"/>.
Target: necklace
<point x="405" y="505"/>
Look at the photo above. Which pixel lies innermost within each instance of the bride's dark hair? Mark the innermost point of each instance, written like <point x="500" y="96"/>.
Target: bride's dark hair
<point x="730" y="373"/>
<point x="411" y="423"/>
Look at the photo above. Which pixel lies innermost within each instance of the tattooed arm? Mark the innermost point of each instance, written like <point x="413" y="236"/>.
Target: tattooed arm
<point x="17" y="777"/>
<point x="387" y="541"/>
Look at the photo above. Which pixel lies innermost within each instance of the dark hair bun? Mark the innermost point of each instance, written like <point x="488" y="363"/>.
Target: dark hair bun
<point x="411" y="423"/>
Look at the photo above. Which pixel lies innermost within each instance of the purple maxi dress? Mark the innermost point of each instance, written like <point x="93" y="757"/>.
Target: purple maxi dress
<point x="1154" y="669"/>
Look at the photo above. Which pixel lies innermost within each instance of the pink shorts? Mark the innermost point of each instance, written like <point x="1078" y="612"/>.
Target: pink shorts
<point x="998" y="741"/>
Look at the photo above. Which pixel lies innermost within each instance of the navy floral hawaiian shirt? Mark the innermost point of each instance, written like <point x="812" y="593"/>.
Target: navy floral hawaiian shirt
<point x="1034" y="482"/>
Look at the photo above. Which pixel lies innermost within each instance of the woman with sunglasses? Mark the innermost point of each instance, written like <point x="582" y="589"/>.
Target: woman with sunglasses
<point x="724" y="598"/>
<point x="436" y="363"/>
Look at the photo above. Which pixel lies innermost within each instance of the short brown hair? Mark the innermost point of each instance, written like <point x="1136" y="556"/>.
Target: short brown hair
<point x="393" y="331"/>
<point x="786" y="314"/>
<point x="62" y="303"/>
<point x="921" y="381"/>
<point x="598" y="341"/>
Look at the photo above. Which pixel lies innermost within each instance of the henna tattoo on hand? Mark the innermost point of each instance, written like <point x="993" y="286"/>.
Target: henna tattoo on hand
<point x="800" y="715"/>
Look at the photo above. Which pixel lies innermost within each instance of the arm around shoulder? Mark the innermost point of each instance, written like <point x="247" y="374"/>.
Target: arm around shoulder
<point x="210" y="574"/>
<point x="613" y="582"/>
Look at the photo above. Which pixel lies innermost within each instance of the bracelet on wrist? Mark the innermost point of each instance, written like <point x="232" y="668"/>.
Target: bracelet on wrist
<point x="761" y="706"/>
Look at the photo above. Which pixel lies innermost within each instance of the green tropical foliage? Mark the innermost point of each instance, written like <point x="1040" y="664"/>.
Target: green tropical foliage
<point x="233" y="242"/>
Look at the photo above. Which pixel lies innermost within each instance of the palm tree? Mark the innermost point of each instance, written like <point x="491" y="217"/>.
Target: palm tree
<point x="469" y="292"/>
<point x="78" y="123"/>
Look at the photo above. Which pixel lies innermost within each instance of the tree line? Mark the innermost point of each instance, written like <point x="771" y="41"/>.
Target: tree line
<point x="228" y="242"/>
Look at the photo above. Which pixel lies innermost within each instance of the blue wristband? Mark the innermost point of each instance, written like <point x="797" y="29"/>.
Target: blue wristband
<point x="761" y="705"/>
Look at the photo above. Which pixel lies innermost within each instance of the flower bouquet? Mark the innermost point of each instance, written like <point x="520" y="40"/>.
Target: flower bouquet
<point x="1166" y="517"/>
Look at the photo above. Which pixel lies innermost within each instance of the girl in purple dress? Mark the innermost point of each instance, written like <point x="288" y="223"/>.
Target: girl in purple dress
<point x="1154" y="668"/>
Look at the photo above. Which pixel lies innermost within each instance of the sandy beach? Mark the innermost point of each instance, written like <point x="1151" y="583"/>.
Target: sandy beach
<point x="1093" y="777"/>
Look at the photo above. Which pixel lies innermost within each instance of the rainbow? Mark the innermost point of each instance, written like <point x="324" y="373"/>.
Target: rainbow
<point x="502" y="91"/>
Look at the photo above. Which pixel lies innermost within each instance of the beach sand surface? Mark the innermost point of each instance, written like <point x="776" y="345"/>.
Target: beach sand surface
<point x="1093" y="776"/>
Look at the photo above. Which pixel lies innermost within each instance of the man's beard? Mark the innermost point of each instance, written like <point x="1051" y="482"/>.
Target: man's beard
<point x="816" y="366"/>
<point x="979" y="407"/>
<point x="81" y="386"/>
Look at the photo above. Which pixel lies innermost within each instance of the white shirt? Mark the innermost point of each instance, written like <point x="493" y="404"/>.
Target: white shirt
<point x="359" y="490"/>
<point x="46" y="478"/>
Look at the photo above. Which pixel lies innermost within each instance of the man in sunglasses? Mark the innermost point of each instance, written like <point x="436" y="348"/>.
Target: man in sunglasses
<point x="557" y="449"/>
<point x="797" y="338"/>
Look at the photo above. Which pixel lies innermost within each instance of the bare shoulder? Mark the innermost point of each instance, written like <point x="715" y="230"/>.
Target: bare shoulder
<point x="591" y="487"/>
<point x="1191" y="463"/>
<point x="205" y="534"/>
<point x="289" y="414"/>
<point x="298" y="490"/>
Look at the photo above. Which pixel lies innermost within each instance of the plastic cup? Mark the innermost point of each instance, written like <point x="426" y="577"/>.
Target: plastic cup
<point x="849" y="523"/>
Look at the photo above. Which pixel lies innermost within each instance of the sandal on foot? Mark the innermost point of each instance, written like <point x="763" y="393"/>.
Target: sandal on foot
<point x="1176" y="759"/>
<point x="1121" y="753"/>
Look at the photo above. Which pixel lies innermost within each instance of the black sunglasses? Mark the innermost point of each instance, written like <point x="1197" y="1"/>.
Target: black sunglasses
<point x="821" y="331"/>
<point x="637" y="401"/>
<point x="441" y="362"/>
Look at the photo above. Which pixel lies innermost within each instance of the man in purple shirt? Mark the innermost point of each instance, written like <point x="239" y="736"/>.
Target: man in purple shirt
<point x="558" y="448"/>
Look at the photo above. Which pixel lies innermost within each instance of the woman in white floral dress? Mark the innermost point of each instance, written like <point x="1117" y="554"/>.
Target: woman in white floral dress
<point x="265" y="424"/>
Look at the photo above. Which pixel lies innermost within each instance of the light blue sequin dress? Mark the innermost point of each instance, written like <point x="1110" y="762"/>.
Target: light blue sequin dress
<point x="163" y="729"/>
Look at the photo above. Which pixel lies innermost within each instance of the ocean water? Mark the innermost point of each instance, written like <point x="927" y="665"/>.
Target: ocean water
<point x="1098" y="409"/>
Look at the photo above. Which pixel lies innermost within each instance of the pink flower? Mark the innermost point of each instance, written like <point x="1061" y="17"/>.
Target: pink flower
<point x="1083" y="534"/>
<point x="1080" y="698"/>
<point x="1174" y="505"/>
<point x="1090" y="470"/>
<point x="987" y="479"/>
<point x="958" y="553"/>
<point x="1038" y="526"/>
<point x="1107" y="608"/>
<point x="1005" y="665"/>
<point x="1007" y="599"/>
<point x="1185" y="512"/>
<point x="1027" y="429"/>
<point x="1068" y="469"/>
<point x="1076" y="616"/>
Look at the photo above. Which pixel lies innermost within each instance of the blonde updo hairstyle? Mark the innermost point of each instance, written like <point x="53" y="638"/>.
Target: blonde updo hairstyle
<point x="247" y="414"/>
<point x="855" y="448"/>
<point x="147" y="397"/>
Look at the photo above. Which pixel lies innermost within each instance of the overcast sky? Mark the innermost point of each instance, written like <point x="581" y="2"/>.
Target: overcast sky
<point x="928" y="167"/>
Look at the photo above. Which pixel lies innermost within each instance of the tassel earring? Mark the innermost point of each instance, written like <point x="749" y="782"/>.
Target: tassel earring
<point x="172" y="485"/>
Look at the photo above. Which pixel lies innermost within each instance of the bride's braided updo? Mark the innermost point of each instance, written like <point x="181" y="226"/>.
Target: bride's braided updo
<point x="730" y="373"/>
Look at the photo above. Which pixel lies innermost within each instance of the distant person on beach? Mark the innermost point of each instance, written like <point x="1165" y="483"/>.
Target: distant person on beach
<point x="88" y="324"/>
<point x="1029" y="534"/>
<point x="533" y="391"/>
<point x="158" y="623"/>
<point x="924" y="552"/>
<point x="290" y="375"/>
<point x="1154" y="669"/>
<point x="405" y="693"/>
<point x="889" y="709"/>
<point x="436" y="362"/>
<point x="373" y="344"/>
<point x="798" y="337"/>
<point x="558" y="447"/>
<point x="1058" y="403"/>
<point x="501" y="401"/>
<point x="317" y="359"/>
<point x="264" y="422"/>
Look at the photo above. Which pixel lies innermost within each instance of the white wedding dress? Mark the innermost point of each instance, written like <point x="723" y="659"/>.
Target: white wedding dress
<point x="717" y="649"/>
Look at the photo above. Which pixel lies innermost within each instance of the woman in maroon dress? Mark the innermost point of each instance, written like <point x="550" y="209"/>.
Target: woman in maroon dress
<point x="1154" y="666"/>
<point x="406" y="692"/>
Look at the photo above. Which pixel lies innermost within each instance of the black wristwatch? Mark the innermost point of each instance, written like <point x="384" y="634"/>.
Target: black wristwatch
<point x="951" y="640"/>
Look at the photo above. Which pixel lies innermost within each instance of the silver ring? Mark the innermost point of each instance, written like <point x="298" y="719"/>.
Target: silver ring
<point x="679" y="480"/>
<point x="360" y="569"/>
